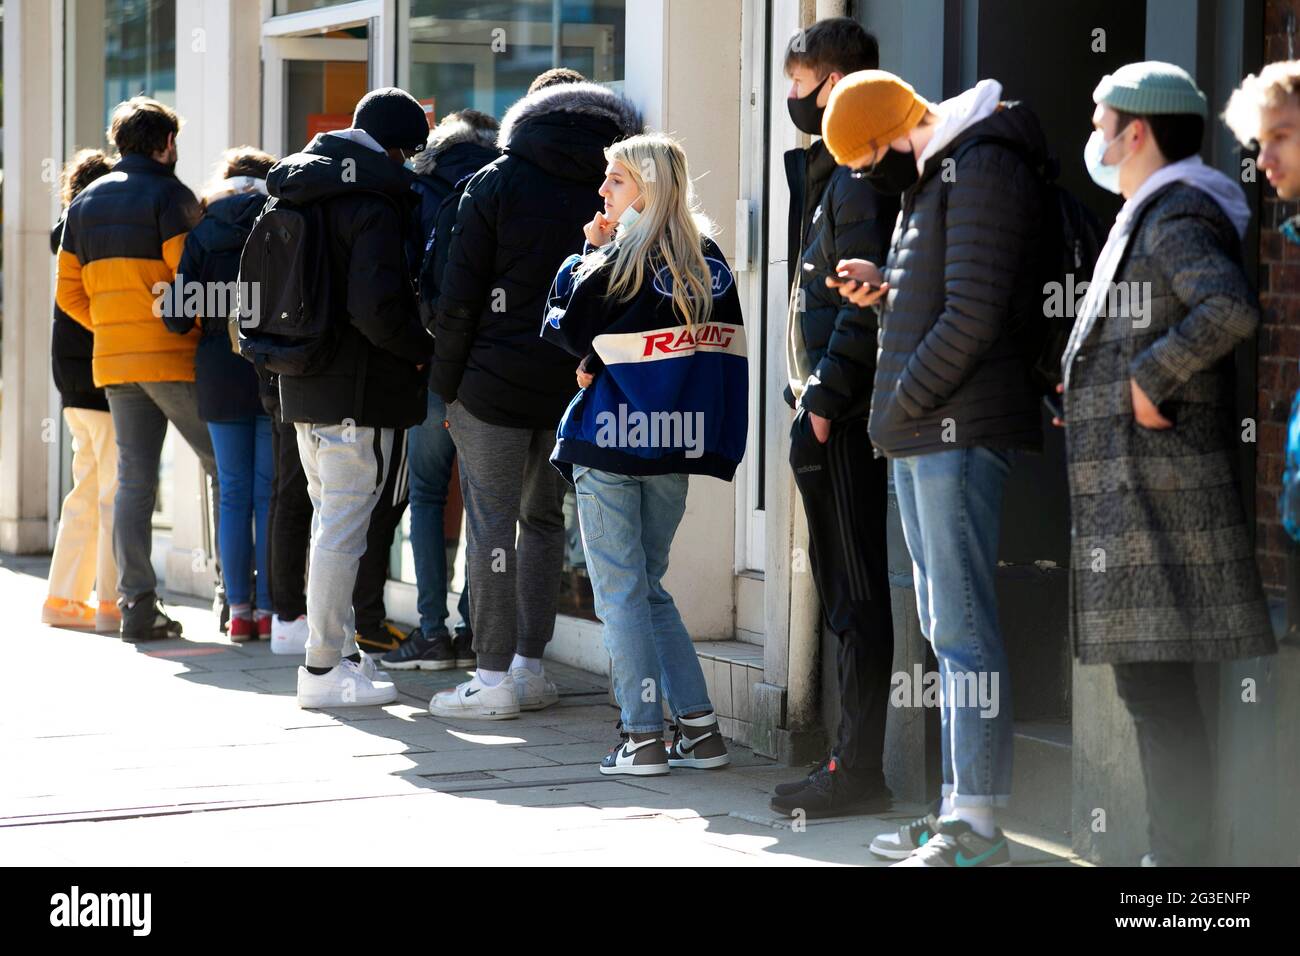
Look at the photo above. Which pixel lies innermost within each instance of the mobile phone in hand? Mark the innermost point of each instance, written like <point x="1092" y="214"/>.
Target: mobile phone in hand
<point x="1054" y="405"/>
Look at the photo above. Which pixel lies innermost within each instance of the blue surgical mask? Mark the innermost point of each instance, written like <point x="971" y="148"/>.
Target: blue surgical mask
<point x="1107" y="177"/>
<point x="628" y="217"/>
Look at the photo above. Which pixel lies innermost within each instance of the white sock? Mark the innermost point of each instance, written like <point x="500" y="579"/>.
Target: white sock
<point x="534" y="664"/>
<point x="979" y="818"/>
<point x="490" y="678"/>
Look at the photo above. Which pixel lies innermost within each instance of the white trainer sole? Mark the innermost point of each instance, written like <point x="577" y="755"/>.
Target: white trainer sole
<point x="703" y="763"/>
<point x="322" y="703"/>
<point x="642" y="770"/>
<point x="460" y="713"/>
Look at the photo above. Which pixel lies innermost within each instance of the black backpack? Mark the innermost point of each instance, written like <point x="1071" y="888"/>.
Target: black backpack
<point x="1071" y="241"/>
<point x="291" y="332"/>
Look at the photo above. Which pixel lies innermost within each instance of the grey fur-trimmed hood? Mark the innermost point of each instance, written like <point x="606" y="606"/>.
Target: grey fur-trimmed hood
<point x="446" y="135"/>
<point x="585" y="99"/>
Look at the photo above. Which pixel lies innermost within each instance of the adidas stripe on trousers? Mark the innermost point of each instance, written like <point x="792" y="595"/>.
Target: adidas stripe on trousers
<point x="346" y="468"/>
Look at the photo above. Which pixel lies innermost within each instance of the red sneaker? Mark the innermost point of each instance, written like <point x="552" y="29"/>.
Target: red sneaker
<point x="263" y="627"/>
<point x="242" y="629"/>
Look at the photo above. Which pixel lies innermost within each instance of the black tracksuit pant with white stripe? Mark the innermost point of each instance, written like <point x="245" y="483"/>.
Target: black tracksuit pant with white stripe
<point x="372" y="572"/>
<point x="845" y="496"/>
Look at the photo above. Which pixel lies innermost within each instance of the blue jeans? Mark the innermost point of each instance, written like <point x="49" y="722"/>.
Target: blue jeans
<point x="628" y="523"/>
<point x="951" y="506"/>
<point x="430" y="452"/>
<point x="245" y="470"/>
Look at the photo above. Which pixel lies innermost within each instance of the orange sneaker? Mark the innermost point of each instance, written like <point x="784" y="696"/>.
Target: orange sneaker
<point x="108" y="619"/>
<point x="59" y="612"/>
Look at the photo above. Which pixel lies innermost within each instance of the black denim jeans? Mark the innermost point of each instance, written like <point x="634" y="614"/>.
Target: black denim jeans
<point x="1175" y="754"/>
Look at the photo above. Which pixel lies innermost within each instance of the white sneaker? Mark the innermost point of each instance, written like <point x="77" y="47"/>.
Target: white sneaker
<point x="342" y="686"/>
<point x="533" y="690"/>
<point x="370" y="668"/>
<point x="474" y="701"/>
<point x="289" y="637"/>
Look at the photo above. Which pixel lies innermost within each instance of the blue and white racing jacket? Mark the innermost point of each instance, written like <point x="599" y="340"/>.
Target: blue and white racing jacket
<point x="664" y="400"/>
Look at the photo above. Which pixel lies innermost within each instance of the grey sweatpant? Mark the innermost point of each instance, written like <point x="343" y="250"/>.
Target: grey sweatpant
<point x="346" y="467"/>
<point x="512" y="493"/>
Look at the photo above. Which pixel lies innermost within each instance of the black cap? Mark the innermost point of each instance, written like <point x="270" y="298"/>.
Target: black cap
<point x="393" y="117"/>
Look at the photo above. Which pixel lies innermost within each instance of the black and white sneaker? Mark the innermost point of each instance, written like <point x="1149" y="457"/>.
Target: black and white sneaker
<point x="418" y="652"/>
<point x="146" y="621"/>
<point x="643" y="758"/>
<point x="899" y="844"/>
<point x="462" y="645"/>
<point x="697" y="744"/>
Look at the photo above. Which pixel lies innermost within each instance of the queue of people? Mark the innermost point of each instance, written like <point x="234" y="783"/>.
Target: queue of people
<point x="430" y="296"/>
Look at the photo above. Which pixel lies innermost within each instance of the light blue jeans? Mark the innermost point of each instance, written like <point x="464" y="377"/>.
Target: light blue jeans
<point x="950" y="503"/>
<point x="628" y="523"/>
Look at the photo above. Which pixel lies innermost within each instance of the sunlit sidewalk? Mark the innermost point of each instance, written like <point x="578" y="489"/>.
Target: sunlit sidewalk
<point x="195" y="752"/>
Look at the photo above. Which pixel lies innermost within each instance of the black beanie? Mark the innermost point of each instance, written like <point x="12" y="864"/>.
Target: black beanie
<point x="393" y="117"/>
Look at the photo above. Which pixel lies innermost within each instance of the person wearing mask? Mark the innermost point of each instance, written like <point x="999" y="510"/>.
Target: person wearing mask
<point x="831" y="358"/>
<point x="83" y="547"/>
<point x="520" y="216"/>
<point x="458" y="147"/>
<point x="952" y="403"/>
<point x="122" y="243"/>
<point x="1163" y="573"/>
<point x="347" y="414"/>
<point x="228" y="384"/>
<point x="650" y="273"/>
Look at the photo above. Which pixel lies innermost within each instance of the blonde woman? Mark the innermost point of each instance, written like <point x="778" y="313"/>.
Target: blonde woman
<point x="652" y="310"/>
<point x="83" y="549"/>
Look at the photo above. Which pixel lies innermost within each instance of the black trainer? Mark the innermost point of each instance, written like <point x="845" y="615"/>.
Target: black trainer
<point x="783" y="789"/>
<point x="830" y="793"/>
<point x="422" y="653"/>
<point x="145" y="621"/>
<point x="462" y="645"/>
<point x="382" y="638"/>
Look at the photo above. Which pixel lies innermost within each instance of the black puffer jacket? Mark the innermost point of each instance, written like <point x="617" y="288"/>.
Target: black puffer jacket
<point x="519" y="218"/>
<point x="373" y="378"/>
<point x="226" y="382"/>
<point x="831" y="343"/>
<point x="807" y="172"/>
<point x="949" y="371"/>
<point x="71" y="348"/>
<point x="455" y="152"/>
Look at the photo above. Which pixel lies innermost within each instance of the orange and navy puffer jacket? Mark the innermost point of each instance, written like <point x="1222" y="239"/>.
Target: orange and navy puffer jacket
<point x="123" y="235"/>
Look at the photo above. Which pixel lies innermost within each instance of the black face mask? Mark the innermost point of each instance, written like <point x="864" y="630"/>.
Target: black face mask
<point x="805" y="112"/>
<point x="894" y="174"/>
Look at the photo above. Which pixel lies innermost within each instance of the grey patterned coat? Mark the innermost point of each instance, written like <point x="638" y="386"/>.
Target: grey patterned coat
<point x="1162" y="509"/>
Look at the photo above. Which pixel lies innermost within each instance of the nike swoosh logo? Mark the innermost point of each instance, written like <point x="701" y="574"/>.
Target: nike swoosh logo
<point x="975" y="861"/>
<point x="469" y="692"/>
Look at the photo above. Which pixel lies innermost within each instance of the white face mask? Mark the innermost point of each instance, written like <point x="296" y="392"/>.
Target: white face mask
<point x="1107" y="177"/>
<point x="628" y="217"/>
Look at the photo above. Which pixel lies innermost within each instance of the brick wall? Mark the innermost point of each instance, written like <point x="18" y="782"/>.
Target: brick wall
<point x="1279" y="340"/>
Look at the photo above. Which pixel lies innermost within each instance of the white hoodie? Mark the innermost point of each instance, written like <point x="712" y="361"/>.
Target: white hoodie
<point x="959" y="114"/>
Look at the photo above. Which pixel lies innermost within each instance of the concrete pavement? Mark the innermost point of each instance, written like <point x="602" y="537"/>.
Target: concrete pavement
<point x="195" y="752"/>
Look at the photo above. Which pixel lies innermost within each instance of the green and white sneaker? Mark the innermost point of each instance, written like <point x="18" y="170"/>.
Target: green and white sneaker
<point x="900" y="844"/>
<point x="957" y="844"/>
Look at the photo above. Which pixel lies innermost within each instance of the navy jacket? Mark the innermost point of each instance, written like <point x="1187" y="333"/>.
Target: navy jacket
<point x="226" y="382"/>
<point x="664" y="401"/>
